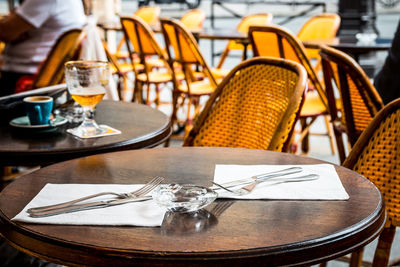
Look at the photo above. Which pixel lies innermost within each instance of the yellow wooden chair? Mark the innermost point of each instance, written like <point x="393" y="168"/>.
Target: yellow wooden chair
<point x="360" y="101"/>
<point x="142" y="44"/>
<point x="276" y="41"/>
<point x="376" y="155"/>
<point x="243" y="27"/>
<point x="150" y="15"/>
<point x="51" y="71"/>
<point x="319" y="28"/>
<point x="193" y="19"/>
<point x="183" y="51"/>
<point x="122" y="69"/>
<point x="255" y="106"/>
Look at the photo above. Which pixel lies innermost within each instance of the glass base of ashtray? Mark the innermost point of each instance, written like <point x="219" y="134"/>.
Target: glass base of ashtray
<point x="183" y="197"/>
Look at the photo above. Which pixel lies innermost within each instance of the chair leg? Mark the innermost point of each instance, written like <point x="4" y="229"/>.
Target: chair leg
<point x="223" y="57"/>
<point x="330" y="134"/>
<point x="356" y="258"/>
<point x="305" y="140"/>
<point x="175" y="96"/>
<point x="339" y="144"/>
<point x="382" y="252"/>
<point x="138" y="92"/>
<point x="147" y="93"/>
<point x="157" y="100"/>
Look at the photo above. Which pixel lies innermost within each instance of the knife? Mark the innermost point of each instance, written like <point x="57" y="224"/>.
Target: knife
<point x="261" y="177"/>
<point x="86" y="206"/>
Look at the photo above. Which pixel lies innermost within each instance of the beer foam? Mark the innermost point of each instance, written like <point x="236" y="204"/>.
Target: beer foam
<point x="88" y="91"/>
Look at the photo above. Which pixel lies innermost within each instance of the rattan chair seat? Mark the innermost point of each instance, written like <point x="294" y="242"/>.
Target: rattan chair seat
<point x="313" y="105"/>
<point x="154" y="77"/>
<point x="219" y="73"/>
<point x="202" y="87"/>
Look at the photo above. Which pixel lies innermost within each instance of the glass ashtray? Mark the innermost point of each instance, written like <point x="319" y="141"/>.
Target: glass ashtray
<point x="183" y="197"/>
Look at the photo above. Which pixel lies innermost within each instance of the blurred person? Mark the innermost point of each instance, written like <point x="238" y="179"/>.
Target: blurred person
<point x="29" y="32"/>
<point x="387" y="81"/>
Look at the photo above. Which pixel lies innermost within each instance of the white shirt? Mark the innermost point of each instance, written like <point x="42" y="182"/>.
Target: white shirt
<point x="50" y="18"/>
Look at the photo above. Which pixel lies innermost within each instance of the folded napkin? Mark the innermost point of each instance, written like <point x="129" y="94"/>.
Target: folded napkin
<point x="327" y="187"/>
<point x="109" y="131"/>
<point x="146" y="213"/>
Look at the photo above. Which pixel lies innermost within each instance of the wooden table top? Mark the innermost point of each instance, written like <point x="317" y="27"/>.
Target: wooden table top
<point x="228" y="232"/>
<point x="141" y="127"/>
<point x="351" y="45"/>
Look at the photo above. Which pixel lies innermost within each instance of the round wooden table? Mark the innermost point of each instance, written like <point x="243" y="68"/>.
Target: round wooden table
<point x="228" y="232"/>
<point x="141" y="127"/>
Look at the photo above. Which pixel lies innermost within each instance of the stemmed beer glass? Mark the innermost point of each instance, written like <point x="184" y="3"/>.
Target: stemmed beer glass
<point x="86" y="82"/>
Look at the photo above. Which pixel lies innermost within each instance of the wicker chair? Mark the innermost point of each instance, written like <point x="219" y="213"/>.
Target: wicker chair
<point x="360" y="101"/>
<point x="184" y="54"/>
<point x="276" y="41"/>
<point x="141" y="43"/>
<point x="255" y="106"/>
<point x="122" y="70"/>
<point x="51" y="71"/>
<point x="150" y="15"/>
<point x="376" y="155"/>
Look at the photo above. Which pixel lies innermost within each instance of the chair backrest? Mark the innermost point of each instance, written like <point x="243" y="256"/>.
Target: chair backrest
<point x="193" y="19"/>
<point x="261" y="19"/>
<point x="376" y="155"/>
<point x="243" y="27"/>
<point x="149" y="14"/>
<point x="183" y="49"/>
<point x="360" y="101"/>
<point x="255" y="106"/>
<point x="275" y="41"/>
<point x="51" y="71"/>
<point x="322" y="27"/>
<point x="140" y="40"/>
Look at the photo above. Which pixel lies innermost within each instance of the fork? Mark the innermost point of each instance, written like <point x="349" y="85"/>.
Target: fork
<point x="137" y="193"/>
<point x="247" y="189"/>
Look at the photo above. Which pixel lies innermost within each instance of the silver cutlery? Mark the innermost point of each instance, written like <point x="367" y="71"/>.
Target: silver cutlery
<point x="137" y="193"/>
<point x="87" y="206"/>
<point x="249" y="188"/>
<point x="260" y="177"/>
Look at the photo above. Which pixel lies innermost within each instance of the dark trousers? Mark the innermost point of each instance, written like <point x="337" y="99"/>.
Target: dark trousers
<point x="8" y="81"/>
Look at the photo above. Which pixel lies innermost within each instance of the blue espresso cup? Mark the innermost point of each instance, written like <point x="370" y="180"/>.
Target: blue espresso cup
<point x="38" y="109"/>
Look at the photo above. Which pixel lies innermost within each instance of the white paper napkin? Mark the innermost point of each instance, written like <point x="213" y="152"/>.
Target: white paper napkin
<point x="327" y="187"/>
<point x="146" y="213"/>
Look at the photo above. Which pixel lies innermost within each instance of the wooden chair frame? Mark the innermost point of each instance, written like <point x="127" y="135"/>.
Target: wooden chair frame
<point x="346" y="68"/>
